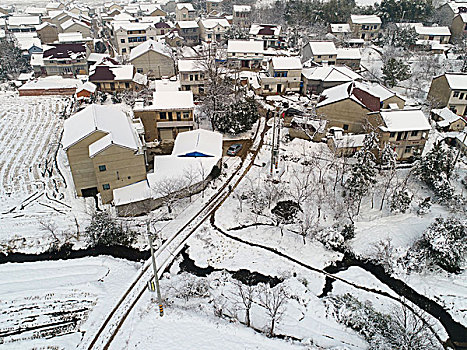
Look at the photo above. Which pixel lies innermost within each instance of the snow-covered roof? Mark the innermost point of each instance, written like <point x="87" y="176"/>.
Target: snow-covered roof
<point x="107" y="119"/>
<point x="149" y="45"/>
<point x="189" y="66"/>
<point x="117" y="72"/>
<point x="447" y="115"/>
<point x="186" y="5"/>
<point x="52" y="82"/>
<point x="404" y="120"/>
<point x="95" y="57"/>
<point x="286" y="63"/>
<point x="245" y="46"/>
<point x="67" y="24"/>
<point x="322" y="48"/>
<point x="463" y="16"/>
<point x="422" y="30"/>
<point x="348" y="54"/>
<point x="131" y="25"/>
<point x="168" y="85"/>
<point x="331" y="74"/>
<point x="136" y="192"/>
<point x="265" y="29"/>
<point x="349" y="140"/>
<point x="141" y="79"/>
<point x="169" y="100"/>
<point x="210" y="23"/>
<point x="457" y="81"/>
<point x="241" y="8"/>
<point x="124" y="72"/>
<point x="35" y="10"/>
<point x="365" y="19"/>
<point x="375" y="89"/>
<point x="40" y="26"/>
<point x="88" y="86"/>
<point x="70" y="37"/>
<point x="124" y="17"/>
<point x="187" y="24"/>
<point x="25" y="43"/>
<point x="200" y="142"/>
<point x="24" y="20"/>
<point x="340" y="28"/>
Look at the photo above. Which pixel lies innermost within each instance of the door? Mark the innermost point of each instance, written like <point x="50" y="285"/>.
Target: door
<point x="166" y="134"/>
<point x="89" y="192"/>
<point x="279" y="88"/>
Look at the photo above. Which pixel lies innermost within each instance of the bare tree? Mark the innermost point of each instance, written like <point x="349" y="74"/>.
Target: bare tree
<point x="247" y="294"/>
<point x="274" y="301"/>
<point x="168" y="190"/>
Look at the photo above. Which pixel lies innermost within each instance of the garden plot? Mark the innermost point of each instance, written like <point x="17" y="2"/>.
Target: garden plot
<point x="45" y="303"/>
<point x="32" y="190"/>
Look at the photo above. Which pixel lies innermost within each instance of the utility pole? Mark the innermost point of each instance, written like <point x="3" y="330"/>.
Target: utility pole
<point x="278" y="140"/>
<point x="156" y="278"/>
<point x="460" y="148"/>
<point x="273" y="140"/>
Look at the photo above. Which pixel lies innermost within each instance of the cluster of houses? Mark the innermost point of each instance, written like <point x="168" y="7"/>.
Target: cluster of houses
<point x="80" y="51"/>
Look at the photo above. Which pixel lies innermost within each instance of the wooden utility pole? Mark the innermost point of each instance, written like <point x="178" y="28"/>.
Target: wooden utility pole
<point x="156" y="277"/>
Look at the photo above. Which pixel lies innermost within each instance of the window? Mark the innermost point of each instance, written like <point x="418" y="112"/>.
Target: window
<point x="106" y="186"/>
<point x="431" y="37"/>
<point x="408" y="149"/>
<point x="461" y="96"/>
<point x="266" y="87"/>
<point x="233" y="53"/>
<point x="414" y="133"/>
<point x="319" y="56"/>
<point x="456" y="94"/>
<point x="192" y="77"/>
<point x="123" y="50"/>
<point x="392" y="135"/>
<point x="162" y="115"/>
<point x="345" y="127"/>
<point x="186" y="115"/>
<point x="122" y="41"/>
<point x="179" y="115"/>
<point x="139" y="70"/>
<point x="127" y="85"/>
<point x="280" y="74"/>
<point x="102" y="168"/>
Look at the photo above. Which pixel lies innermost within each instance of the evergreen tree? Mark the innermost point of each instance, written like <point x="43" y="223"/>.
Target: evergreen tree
<point x="105" y="230"/>
<point x="395" y="70"/>
<point x="404" y="37"/>
<point x="400" y="200"/>
<point x="12" y="62"/>
<point x="393" y="11"/>
<point x="239" y="117"/>
<point x="445" y="243"/>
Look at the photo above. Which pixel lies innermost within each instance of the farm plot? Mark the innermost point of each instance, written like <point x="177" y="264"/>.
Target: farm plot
<point x="32" y="190"/>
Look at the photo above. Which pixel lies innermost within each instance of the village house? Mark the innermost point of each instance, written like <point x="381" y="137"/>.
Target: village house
<point x="438" y="34"/>
<point x="344" y="145"/>
<point x="347" y="105"/>
<point x="245" y="54"/>
<point x="153" y="59"/>
<point x="449" y="90"/>
<point x="189" y="30"/>
<point x="162" y="28"/>
<point x="66" y="59"/>
<point x="86" y="91"/>
<point x="23" y="24"/>
<point x="341" y="31"/>
<point x="270" y="34"/>
<point x="317" y="79"/>
<point x="170" y="114"/>
<point x="76" y="38"/>
<point x="213" y="5"/>
<point x="54" y="85"/>
<point x="349" y="57"/>
<point x="446" y="120"/>
<point x="104" y="151"/>
<point x="365" y="27"/>
<point x="459" y="26"/>
<point x="54" y="6"/>
<point x="283" y="75"/>
<point x="241" y="16"/>
<point x="213" y="29"/>
<point x="321" y="52"/>
<point x="129" y="35"/>
<point x="47" y="32"/>
<point x="185" y="12"/>
<point x="73" y="26"/>
<point x="116" y="78"/>
<point x="191" y="73"/>
<point x="449" y="10"/>
<point x="405" y="130"/>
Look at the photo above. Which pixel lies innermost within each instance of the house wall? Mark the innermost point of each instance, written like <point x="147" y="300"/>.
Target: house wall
<point x="126" y="40"/>
<point x="329" y="59"/>
<point x="79" y="28"/>
<point x="81" y="166"/>
<point x="118" y="86"/>
<point x="184" y="15"/>
<point x="394" y="99"/>
<point x="242" y="19"/>
<point x="351" y="63"/>
<point x="195" y="85"/>
<point x="73" y="67"/>
<point x="123" y="167"/>
<point x="458" y="27"/>
<point x="44" y="92"/>
<point x="366" y="34"/>
<point x="345" y="112"/>
<point x="439" y="92"/>
<point x="48" y="34"/>
<point x="154" y="64"/>
<point x="270" y="85"/>
<point x="191" y="35"/>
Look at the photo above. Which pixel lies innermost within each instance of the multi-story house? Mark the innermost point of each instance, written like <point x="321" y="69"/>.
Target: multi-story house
<point x="270" y="34"/>
<point x="213" y="29"/>
<point x="365" y="27"/>
<point x="23" y="24"/>
<point x="346" y="106"/>
<point x="129" y="35"/>
<point x="104" y="150"/>
<point x="246" y="54"/>
<point x="191" y="73"/>
<point x="213" y="5"/>
<point x="185" y="12"/>
<point x="450" y="90"/>
<point x="405" y="130"/>
<point x="47" y="32"/>
<point x="73" y="26"/>
<point x="153" y="59"/>
<point x="283" y="75"/>
<point x="321" y="52"/>
<point x="188" y="30"/>
<point x="66" y="59"/>
<point x="341" y="31"/>
<point x="459" y="26"/>
<point x="170" y="114"/>
<point x="116" y="78"/>
<point x="241" y="16"/>
<point x="350" y="57"/>
<point x="317" y="79"/>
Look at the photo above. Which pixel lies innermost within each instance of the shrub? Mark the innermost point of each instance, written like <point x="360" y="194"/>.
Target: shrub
<point x="105" y="230"/>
